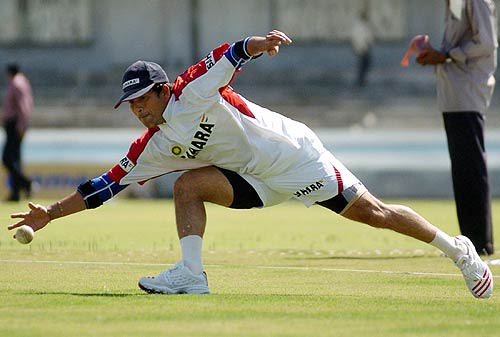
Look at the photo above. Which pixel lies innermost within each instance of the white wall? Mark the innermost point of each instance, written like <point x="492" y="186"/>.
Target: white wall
<point x="231" y="20"/>
<point x="160" y="30"/>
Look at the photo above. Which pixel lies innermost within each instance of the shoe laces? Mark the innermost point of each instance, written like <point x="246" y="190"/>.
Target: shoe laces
<point x="167" y="274"/>
<point x="469" y="267"/>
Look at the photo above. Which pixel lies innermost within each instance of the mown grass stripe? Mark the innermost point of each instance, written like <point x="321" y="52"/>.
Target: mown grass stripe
<point x="346" y="270"/>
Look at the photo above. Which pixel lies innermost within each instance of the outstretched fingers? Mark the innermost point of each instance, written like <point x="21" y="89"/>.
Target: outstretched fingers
<point x="19" y="215"/>
<point x="274" y="39"/>
<point x="278" y="36"/>
<point x="17" y="224"/>
<point x="37" y="217"/>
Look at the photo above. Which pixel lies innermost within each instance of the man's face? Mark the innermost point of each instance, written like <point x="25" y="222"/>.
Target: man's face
<point x="149" y="107"/>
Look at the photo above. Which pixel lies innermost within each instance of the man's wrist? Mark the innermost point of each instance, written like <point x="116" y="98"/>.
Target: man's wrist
<point x="55" y="211"/>
<point x="255" y="45"/>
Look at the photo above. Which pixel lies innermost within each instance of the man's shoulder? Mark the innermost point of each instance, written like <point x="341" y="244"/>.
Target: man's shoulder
<point x="20" y="82"/>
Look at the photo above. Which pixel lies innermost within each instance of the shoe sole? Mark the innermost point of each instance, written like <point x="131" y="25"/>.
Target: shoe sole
<point x="198" y="291"/>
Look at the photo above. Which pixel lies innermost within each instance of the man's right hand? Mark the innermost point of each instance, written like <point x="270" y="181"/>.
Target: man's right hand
<point x="37" y="217"/>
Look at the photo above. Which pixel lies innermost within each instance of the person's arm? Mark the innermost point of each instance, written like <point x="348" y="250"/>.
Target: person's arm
<point x="483" y="23"/>
<point x="254" y="46"/>
<point x="39" y="216"/>
<point x="431" y="56"/>
<point x="270" y="43"/>
<point x="483" y="42"/>
<point x="208" y="76"/>
<point x="90" y="194"/>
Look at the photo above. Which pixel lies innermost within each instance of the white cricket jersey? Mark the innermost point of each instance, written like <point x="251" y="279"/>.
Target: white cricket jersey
<point x="208" y="123"/>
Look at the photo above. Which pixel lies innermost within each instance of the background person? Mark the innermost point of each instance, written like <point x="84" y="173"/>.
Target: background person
<point x="465" y="67"/>
<point x="238" y="155"/>
<point x="362" y="39"/>
<point x="17" y="108"/>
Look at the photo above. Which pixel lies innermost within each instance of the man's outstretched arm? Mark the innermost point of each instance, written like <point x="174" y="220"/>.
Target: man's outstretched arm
<point x="90" y="194"/>
<point x="39" y="216"/>
<point x="270" y="43"/>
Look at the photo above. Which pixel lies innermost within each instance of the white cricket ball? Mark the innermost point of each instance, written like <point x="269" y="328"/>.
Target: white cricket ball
<point x="25" y="234"/>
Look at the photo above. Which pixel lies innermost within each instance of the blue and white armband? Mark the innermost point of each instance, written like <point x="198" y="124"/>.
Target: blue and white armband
<point x="238" y="53"/>
<point x="98" y="190"/>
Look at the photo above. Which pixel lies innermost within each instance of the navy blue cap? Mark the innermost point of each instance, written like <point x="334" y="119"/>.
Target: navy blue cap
<point x="139" y="78"/>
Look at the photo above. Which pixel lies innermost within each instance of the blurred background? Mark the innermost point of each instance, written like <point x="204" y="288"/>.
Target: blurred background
<point x="388" y="131"/>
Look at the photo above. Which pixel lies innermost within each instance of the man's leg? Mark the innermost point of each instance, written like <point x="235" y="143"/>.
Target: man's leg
<point x="11" y="158"/>
<point x="465" y="134"/>
<point x="402" y="219"/>
<point x="364" y="66"/>
<point x="369" y="210"/>
<point x="191" y="191"/>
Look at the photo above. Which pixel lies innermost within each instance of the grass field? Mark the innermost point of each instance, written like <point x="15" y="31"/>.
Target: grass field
<point x="282" y="271"/>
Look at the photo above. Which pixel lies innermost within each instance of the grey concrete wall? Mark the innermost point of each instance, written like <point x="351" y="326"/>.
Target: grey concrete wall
<point x="76" y="85"/>
<point x="159" y="30"/>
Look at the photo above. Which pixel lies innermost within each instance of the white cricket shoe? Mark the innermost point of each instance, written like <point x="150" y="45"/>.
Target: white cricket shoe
<point x="177" y="280"/>
<point x="477" y="274"/>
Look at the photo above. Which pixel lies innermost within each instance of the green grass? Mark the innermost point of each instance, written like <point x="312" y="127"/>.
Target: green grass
<point x="282" y="271"/>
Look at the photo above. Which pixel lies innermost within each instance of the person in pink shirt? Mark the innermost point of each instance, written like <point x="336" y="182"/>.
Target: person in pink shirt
<point x="17" y="108"/>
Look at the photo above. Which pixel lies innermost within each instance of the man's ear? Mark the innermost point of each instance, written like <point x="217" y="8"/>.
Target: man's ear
<point x="165" y="89"/>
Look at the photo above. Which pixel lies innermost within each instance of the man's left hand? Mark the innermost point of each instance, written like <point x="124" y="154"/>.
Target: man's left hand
<point x="270" y="43"/>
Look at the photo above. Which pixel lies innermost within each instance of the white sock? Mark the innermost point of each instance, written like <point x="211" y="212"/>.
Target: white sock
<point x="191" y="253"/>
<point x="448" y="245"/>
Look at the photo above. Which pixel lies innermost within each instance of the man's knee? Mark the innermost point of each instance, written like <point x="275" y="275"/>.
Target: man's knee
<point x="203" y="184"/>
<point x="185" y="186"/>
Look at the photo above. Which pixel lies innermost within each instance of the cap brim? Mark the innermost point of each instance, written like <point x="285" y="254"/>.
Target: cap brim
<point x="131" y="95"/>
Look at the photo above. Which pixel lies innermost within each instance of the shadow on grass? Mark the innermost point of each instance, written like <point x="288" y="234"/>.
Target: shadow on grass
<point x="367" y="258"/>
<point x="115" y="295"/>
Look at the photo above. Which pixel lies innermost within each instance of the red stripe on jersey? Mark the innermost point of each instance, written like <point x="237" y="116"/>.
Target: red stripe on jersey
<point x="235" y="100"/>
<point x="116" y="173"/>
<point x="340" y="183"/>
<point x="196" y="71"/>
